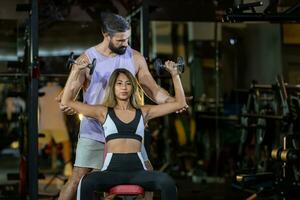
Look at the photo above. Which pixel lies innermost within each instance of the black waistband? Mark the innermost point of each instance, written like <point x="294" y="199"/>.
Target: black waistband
<point x="123" y="136"/>
<point x="126" y="162"/>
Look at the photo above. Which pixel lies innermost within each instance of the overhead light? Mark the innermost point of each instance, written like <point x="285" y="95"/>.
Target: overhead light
<point x="232" y="41"/>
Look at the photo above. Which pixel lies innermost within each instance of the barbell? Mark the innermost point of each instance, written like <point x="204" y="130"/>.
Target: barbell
<point x="72" y="61"/>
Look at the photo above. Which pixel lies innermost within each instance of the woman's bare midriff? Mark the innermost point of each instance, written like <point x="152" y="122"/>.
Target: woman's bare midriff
<point x="122" y="145"/>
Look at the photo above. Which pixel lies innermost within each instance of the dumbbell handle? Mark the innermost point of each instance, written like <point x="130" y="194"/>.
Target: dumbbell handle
<point x="164" y="66"/>
<point x="75" y="62"/>
<point x="158" y="65"/>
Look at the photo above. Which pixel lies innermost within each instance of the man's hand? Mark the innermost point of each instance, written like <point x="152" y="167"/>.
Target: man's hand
<point x="188" y="99"/>
<point x="66" y="110"/>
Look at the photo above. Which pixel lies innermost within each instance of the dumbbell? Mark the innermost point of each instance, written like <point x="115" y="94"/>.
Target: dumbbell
<point x="158" y="66"/>
<point x="72" y="61"/>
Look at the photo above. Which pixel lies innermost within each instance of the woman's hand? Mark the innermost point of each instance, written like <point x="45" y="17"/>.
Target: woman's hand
<point x="66" y="110"/>
<point x="171" y="67"/>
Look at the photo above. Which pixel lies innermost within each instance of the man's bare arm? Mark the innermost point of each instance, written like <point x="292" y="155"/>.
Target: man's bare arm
<point x="78" y="79"/>
<point x="152" y="90"/>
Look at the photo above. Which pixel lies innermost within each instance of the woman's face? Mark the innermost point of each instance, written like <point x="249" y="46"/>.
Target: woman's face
<point x="123" y="87"/>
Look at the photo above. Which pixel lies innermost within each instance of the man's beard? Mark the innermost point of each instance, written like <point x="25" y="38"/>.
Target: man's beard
<point x="118" y="50"/>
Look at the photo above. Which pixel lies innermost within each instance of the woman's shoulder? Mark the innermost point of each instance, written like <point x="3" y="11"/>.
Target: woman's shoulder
<point x="145" y="108"/>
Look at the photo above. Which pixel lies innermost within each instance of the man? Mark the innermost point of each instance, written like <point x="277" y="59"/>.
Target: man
<point x="113" y="52"/>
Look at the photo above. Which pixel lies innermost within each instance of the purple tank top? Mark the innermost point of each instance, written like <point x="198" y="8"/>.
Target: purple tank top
<point x="89" y="127"/>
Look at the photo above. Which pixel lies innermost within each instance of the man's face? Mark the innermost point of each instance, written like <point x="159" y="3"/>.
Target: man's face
<point x="119" y="42"/>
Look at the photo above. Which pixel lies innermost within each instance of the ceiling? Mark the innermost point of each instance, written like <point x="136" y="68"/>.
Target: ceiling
<point x="168" y="10"/>
<point x="70" y="19"/>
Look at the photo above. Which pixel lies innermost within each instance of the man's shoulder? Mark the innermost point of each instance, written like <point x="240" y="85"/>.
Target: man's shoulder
<point x="90" y="52"/>
<point x="137" y="55"/>
<point x="83" y="57"/>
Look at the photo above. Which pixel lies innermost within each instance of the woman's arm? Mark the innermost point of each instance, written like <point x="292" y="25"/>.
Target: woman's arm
<point x="95" y="111"/>
<point x="152" y="111"/>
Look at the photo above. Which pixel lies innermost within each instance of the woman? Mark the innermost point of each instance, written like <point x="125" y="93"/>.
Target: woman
<point x="123" y="118"/>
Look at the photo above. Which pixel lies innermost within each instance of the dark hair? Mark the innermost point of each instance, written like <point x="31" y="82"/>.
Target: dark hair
<point x="112" y="23"/>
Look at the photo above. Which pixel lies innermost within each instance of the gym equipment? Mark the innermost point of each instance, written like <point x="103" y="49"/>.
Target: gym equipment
<point x="72" y="61"/>
<point x="158" y="66"/>
<point x="282" y="179"/>
<point x="286" y="155"/>
<point x="242" y="7"/>
<point x="29" y="182"/>
<point x="270" y="13"/>
<point x="258" y="118"/>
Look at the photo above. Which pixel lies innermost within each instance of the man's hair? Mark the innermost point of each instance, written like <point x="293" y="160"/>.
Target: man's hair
<point x="136" y="97"/>
<point x="112" y="23"/>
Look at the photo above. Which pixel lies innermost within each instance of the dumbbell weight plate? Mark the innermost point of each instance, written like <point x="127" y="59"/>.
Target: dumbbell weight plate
<point x="157" y="66"/>
<point x="70" y="60"/>
<point x="180" y="64"/>
<point x="92" y="68"/>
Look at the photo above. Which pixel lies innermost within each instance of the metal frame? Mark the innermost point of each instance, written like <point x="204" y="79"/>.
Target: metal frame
<point x="33" y="77"/>
<point x="143" y="12"/>
<point x="217" y="93"/>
